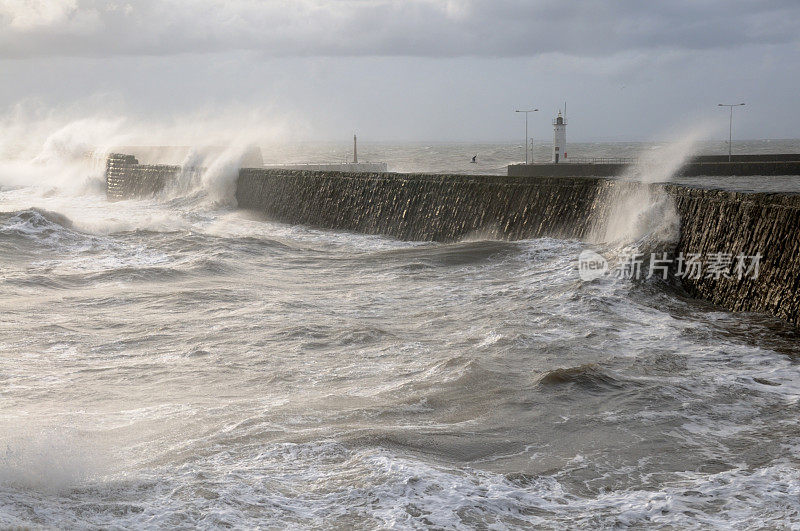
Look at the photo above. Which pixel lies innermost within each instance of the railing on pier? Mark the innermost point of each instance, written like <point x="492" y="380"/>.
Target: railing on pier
<point x="600" y="160"/>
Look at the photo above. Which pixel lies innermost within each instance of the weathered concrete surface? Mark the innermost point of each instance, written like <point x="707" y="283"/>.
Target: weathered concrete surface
<point x="421" y="206"/>
<point x="449" y="207"/>
<point x="126" y="178"/>
<point x="744" y="223"/>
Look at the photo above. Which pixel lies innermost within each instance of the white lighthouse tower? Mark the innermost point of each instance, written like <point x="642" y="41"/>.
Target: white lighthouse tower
<point x="559" y="138"/>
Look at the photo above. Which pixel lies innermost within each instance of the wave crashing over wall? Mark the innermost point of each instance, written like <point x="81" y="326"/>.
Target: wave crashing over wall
<point x="442" y="207"/>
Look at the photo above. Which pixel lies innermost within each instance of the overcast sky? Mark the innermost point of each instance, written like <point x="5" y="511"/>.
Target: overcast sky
<point x="410" y="69"/>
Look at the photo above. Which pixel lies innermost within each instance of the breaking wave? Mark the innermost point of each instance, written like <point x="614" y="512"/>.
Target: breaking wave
<point x="588" y="377"/>
<point x="175" y="363"/>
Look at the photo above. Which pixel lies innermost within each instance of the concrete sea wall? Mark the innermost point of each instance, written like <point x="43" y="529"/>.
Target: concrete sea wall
<point x="748" y="224"/>
<point x="421" y="206"/>
<point x="126" y="178"/>
<point x="449" y="207"/>
<point x="711" y="165"/>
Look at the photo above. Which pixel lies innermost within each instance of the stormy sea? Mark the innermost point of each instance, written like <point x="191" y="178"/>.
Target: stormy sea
<point x="174" y="362"/>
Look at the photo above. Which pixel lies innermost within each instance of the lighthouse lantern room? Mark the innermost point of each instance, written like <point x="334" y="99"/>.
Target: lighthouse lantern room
<point x="559" y="138"/>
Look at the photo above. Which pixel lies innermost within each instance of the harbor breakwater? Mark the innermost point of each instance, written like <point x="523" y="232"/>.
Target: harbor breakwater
<point x="702" y="165"/>
<point x="450" y="207"/>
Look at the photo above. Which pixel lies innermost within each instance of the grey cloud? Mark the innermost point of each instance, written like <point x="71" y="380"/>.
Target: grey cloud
<point x="431" y="28"/>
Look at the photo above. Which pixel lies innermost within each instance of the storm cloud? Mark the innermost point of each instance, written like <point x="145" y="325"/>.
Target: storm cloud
<point x="405" y="70"/>
<point x="421" y="28"/>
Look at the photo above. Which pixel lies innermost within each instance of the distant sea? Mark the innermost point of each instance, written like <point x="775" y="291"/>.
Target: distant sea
<point x="492" y="158"/>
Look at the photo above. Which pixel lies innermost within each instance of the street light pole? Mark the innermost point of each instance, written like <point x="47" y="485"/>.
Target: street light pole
<point x="730" y="124"/>
<point x="525" y="144"/>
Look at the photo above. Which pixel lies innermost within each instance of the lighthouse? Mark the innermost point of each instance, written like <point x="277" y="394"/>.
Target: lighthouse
<point x="559" y="138"/>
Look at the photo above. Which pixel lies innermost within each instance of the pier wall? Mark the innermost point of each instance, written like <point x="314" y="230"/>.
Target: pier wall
<point x="421" y="206"/>
<point x="744" y="223"/>
<point x="710" y="165"/>
<point x="126" y="178"/>
<point x="449" y="207"/>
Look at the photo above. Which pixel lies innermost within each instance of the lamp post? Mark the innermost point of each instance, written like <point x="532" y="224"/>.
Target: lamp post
<point x="525" y="144"/>
<point x="730" y="124"/>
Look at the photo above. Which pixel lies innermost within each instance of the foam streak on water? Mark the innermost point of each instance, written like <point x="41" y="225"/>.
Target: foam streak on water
<point x="176" y="363"/>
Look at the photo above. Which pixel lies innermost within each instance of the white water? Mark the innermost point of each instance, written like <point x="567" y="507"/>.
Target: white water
<point x="174" y="363"/>
<point x="643" y="215"/>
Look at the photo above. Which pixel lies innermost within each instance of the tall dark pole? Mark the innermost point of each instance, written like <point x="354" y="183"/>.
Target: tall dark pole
<point x="730" y="125"/>
<point x="525" y="144"/>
